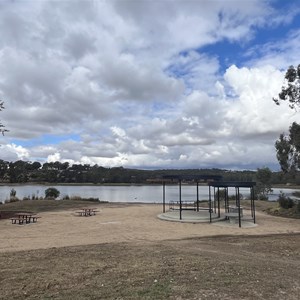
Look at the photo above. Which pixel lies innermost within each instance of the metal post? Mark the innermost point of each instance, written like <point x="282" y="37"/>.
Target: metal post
<point x="226" y="203"/>
<point x="215" y="200"/>
<point x="197" y="196"/>
<point x="227" y="198"/>
<point x="164" y="197"/>
<point x="219" y="213"/>
<point x="209" y="201"/>
<point x="253" y="205"/>
<point x="251" y="202"/>
<point x="180" y="203"/>
<point x="239" y="204"/>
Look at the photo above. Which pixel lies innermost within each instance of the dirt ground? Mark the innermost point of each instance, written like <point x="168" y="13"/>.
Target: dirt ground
<point x="126" y="252"/>
<point x="122" y="223"/>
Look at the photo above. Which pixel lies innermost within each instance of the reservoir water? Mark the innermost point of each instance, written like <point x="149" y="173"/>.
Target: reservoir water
<point x="132" y="193"/>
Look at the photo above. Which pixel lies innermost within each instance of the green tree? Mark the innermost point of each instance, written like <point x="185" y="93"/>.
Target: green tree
<point x="263" y="186"/>
<point x="52" y="193"/>
<point x="288" y="150"/>
<point x="284" y="201"/>
<point x="290" y="90"/>
<point x="33" y="166"/>
<point x="3" y="168"/>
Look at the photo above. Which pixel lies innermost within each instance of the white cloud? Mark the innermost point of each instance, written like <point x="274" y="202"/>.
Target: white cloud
<point x="253" y="111"/>
<point x="13" y="152"/>
<point x="54" y="157"/>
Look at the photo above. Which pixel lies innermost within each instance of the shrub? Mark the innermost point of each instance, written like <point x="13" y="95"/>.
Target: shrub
<point x="222" y="192"/>
<point x="233" y="197"/>
<point x="285" y="202"/>
<point x="52" y="193"/>
<point x="298" y="206"/>
<point x="12" y="196"/>
<point x="76" y="198"/>
<point x="13" y="193"/>
<point x="262" y="197"/>
<point x="14" y="199"/>
<point x="296" y="194"/>
<point x="92" y="199"/>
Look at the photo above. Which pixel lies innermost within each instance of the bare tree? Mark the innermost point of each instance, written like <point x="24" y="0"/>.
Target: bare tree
<point x="2" y="127"/>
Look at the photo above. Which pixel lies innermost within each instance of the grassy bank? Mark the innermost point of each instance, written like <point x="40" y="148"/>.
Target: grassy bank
<point x="7" y="210"/>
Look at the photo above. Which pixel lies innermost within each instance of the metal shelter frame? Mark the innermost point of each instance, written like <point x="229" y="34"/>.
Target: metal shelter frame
<point x="178" y="179"/>
<point x="225" y="185"/>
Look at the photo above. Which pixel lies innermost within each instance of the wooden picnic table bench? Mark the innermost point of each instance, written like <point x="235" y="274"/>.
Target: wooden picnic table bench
<point x="34" y="219"/>
<point x="187" y="205"/>
<point x="87" y="212"/>
<point x="16" y="220"/>
<point x="24" y="218"/>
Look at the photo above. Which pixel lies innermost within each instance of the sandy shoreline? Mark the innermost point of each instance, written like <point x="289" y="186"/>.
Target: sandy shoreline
<point x="122" y="223"/>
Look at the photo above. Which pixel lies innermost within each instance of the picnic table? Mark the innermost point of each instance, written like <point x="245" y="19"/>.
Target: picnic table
<point x="24" y="218"/>
<point x="87" y="212"/>
<point x="234" y="213"/>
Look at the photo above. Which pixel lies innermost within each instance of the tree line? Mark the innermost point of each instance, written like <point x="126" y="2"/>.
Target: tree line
<point x="58" y="172"/>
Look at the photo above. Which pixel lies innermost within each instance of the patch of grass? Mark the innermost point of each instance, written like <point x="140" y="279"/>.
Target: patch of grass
<point x="37" y="206"/>
<point x="292" y="212"/>
<point x="155" y="290"/>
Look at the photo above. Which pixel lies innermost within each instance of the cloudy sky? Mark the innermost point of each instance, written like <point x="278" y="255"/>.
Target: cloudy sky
<point x="146" y="84"/>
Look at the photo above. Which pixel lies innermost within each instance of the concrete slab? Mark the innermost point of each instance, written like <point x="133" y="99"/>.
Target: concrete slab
<point x="190" y="216"/>
<point x="227" y="223"/>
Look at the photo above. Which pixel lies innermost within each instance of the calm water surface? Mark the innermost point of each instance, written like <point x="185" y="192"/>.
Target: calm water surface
<point x="133" y="193"/>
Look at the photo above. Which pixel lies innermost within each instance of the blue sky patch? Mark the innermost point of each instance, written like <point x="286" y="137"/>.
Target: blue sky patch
<point x="47" y="139"/>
